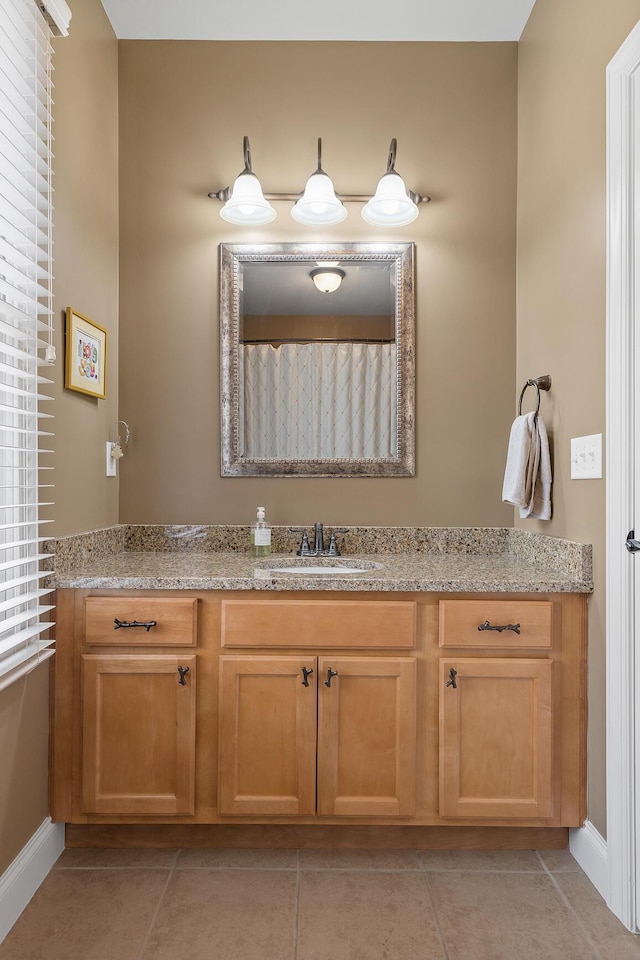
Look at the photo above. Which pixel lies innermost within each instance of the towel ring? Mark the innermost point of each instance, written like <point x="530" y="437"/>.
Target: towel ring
<point x="540" y="383"/>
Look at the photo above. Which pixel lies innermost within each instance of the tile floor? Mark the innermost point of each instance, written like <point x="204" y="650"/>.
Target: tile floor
<point x="211" y="904"/>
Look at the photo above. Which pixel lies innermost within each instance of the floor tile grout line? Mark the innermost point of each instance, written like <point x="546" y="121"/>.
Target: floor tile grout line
<point x="567" y="904"/>
<point x="316" y="869"/>
<point x="241" y="867"/>
<point x="297" y="917"/>
<point x="140" y="866"/>
<point x="443" y="944"/>
<point x="442" y="870"/>
<point x="145" y="942"/>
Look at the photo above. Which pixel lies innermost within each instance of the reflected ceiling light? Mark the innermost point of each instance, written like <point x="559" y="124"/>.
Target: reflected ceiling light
<point x="247" y="204"/>
<point x="319" y="204"/>
<point x="327" y="279"/>
<point x="393" y="205"/>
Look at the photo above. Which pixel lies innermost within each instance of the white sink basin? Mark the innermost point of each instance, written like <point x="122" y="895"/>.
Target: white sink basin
<point x="315" y="567"/>
<point x="317" y="571"/>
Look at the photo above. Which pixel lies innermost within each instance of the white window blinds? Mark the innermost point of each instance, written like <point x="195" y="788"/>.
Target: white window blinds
<point x="25" y="331"/>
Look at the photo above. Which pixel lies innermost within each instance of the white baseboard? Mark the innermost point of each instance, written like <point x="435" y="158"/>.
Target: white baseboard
<point x="22" y="878"/>
<point x="590" y="850"/>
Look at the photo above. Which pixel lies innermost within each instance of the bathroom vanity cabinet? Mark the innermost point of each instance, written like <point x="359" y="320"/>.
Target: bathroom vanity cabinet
<point x="137" y="705"/>
<point x="498" y="708"/>
<point x="319" y="708"/>
<point x="340" y="744"/>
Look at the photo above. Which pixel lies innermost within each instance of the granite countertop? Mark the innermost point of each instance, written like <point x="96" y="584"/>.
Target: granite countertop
<point x="461" y="560"/>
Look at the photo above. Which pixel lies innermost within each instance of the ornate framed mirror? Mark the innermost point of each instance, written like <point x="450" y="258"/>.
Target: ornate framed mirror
<point x="317" y="353"/>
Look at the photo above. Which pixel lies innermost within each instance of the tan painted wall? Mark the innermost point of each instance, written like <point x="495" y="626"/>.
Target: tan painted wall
<point x="184" y="108"/>
<point x="86" y="144"/>
<point x="24" y="748"/>
<point x="86" y="259"/>
<point x="563" y="55"/>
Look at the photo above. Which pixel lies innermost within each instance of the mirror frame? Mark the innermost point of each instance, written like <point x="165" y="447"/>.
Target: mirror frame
<point x="232" y="258"/>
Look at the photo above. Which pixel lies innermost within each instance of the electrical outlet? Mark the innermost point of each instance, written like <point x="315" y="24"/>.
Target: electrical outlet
<point x="586" y="457"/>
<point x="112" y="463"/>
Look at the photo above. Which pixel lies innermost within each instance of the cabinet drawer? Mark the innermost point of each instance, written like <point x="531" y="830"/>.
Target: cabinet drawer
<point x="173" y="619"/>
<point x="319" y="623"/>
<point x="499" y="624"/>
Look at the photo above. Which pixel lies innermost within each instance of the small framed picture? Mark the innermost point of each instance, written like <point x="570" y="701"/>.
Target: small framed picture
<point x="85" y="368"/>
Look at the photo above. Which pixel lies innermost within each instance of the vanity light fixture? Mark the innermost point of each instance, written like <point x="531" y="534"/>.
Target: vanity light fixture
<point x="246" y="202"/>
<point x="392" y="206"/>
<point x="327" y="279"/>
<point x="319" y="204"/>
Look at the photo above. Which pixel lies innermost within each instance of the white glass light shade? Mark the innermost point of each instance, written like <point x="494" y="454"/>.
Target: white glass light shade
<point x="319" y="204"/>
<point x="247" y="203"/>
<point x="391" y="206"/>
<point x="327" y="279"/>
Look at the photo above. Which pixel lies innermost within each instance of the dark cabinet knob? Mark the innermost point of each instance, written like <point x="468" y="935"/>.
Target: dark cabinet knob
<point x="330" y="674"/>
<point x="451" y="682"/>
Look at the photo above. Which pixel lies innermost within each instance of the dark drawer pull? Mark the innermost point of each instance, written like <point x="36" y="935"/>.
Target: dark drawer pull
<point x="134" y="623"/>
<point x="183" y="671"/>
<point x="306" y="673"/>
<point x="451" y="682"/>
<point x="330" y="673"/>
<point x="507" y="626"/>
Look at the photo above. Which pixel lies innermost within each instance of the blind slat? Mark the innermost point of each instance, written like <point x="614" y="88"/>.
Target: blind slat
<point x="26" y="318"/>
<point x="19" y="524"/>
<point x="22" y="619"/>
<point x="33" y="657"/>
<point x="27" y="267"/>
<point x="22" y="637"/>
<point x="23" y="506"/>
<point x="6" y="564"/>
<point x="20" y="581"/>
<point x="20" y="598"/>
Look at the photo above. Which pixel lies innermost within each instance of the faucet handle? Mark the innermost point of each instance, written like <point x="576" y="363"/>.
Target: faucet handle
<point x="332" y="550"/>
<point x="304" y="550"/>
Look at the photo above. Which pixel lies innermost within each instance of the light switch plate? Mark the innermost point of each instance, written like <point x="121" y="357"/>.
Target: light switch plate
<point x="586" y="457"/>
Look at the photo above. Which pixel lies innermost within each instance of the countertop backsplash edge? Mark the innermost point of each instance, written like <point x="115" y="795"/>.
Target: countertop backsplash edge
<point x="559" y="564"/>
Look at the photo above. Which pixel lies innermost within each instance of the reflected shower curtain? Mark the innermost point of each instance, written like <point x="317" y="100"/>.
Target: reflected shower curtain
<point x="308" y="401"/>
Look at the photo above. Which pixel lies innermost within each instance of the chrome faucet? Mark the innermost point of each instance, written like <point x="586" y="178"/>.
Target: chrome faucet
<point x="319" y="549"/>
<point x="318" y="539"/>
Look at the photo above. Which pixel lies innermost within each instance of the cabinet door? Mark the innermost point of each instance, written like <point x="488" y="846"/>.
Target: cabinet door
<point x="138" y="750"/>
<point x="366" y="736"/>
<point x="496" y="738"/>
<point x="267" y="746"/>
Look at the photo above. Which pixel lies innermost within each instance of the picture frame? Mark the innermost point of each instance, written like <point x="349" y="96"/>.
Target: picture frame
<point x="85" y="368"/>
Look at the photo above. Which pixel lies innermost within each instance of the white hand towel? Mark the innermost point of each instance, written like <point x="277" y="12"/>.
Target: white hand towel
<point x="540" y="506"/>
<point x="527" y="477"/>
<point x="518" y="479"/>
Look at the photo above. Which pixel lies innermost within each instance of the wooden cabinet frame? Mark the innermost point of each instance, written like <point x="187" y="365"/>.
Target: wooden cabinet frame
<point x="567" y="653"/>
<point x="496" y="737"/>
<point x="332" y="734"/>
<point x="138" y="734"/>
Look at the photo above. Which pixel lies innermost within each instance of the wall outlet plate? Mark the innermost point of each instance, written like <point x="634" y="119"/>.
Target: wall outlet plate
<point x="586" y="457"/>
<point x="111" y="463"/>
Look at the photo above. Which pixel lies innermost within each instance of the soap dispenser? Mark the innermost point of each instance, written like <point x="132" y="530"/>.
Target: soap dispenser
<point x="260" y="536"/>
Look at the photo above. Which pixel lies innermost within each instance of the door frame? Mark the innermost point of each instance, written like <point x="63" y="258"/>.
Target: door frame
<point x="622" y="367"/>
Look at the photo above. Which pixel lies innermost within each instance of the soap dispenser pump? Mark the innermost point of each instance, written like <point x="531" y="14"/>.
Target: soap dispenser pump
<point x="260" y="535"/>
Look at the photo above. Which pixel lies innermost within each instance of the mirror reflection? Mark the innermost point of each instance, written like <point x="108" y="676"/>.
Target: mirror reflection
<point x="317" y="360"/>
